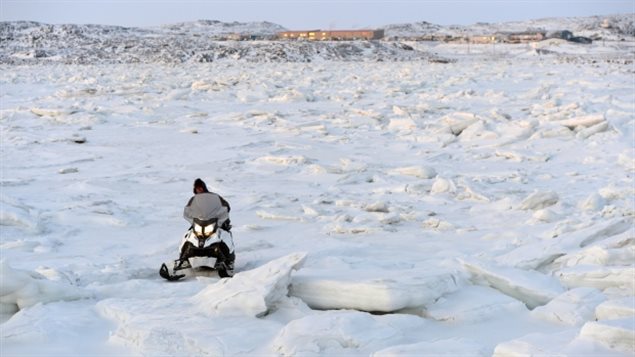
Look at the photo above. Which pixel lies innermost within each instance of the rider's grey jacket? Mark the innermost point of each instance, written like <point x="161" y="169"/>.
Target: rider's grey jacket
<point x="205" y="206"/>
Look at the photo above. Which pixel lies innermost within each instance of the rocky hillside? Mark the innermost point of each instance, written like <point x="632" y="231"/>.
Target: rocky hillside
<point x="612" y="27"/>
<point x="25" y="42"/>
<point x="218" y="28"/>
<point x="201" y="41"/>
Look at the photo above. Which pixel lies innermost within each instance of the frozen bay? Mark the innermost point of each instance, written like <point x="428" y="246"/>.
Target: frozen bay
<point x="475" y="207"/>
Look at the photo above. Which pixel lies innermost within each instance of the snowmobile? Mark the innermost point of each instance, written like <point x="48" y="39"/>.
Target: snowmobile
<point x="204" y="247"/>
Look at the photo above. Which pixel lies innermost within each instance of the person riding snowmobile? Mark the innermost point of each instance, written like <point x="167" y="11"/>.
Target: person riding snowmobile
<point x="206" y="205"/>
<point x="204" y="245"/>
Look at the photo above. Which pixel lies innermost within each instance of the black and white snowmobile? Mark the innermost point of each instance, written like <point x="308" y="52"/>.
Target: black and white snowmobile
<point x="204" y="247"/>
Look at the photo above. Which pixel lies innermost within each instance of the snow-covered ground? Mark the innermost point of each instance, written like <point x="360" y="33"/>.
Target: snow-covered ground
<point x="475" y="208"/>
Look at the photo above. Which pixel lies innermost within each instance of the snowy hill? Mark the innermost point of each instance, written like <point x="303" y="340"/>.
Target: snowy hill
<point x="412" y="29"/>
<point x="206" y="41"/>
<point x="214" y="27"/>
<point x="612" y="27"/>
<point x="201" y="41"/>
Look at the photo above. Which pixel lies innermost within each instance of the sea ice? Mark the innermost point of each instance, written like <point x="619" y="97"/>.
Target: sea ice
<point x="254" y="292"/>
<point x="22" y="289"/>
<point x="442" y="185"/>
<point x="614" y="334"/>
<point x="573" y="307"/>
<point x="601" y="277"/>
<point x="385" y="173"/>
<point x="539" y="200"/>
<point x="531" y="287"/>
<point x="473" y="304"/>
<point x="616" y="309"/>
<point x="544" y="252"/>
<point x="334" y="333"/>
<point x="537" y="344"/>
<point x="336" y="290"/>
<point x="445" y="347"/>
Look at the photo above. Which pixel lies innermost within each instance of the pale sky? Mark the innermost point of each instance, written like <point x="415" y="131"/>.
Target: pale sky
<point x="302" y="14"/>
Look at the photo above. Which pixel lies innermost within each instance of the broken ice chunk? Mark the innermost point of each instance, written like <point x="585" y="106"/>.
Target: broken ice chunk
<point x="601" y="277"/>
<point x="531" y="287"/>
<point x="473" y="304"/>
<point x="614" y="334"/>
<point x="616" y="309"/>
<point x="252" y="292"/>
<point x="320" y="290"/>
<point x="573" y="307"/>
<point x="539" y="200"/>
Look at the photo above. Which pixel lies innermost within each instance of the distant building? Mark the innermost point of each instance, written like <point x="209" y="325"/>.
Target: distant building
<point x="332" y="35"/>
<point x="606" y="23"/>
<point x="237" y="37"/>
<point x="581" y="39"/>
<point x="247" y="37"/>
<point x="298" y="35"/>
<point x="484" y="39"/>
<point x="524" y="37"/>
<point x="426" y="37"/>
<point x="562" y="34"/>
